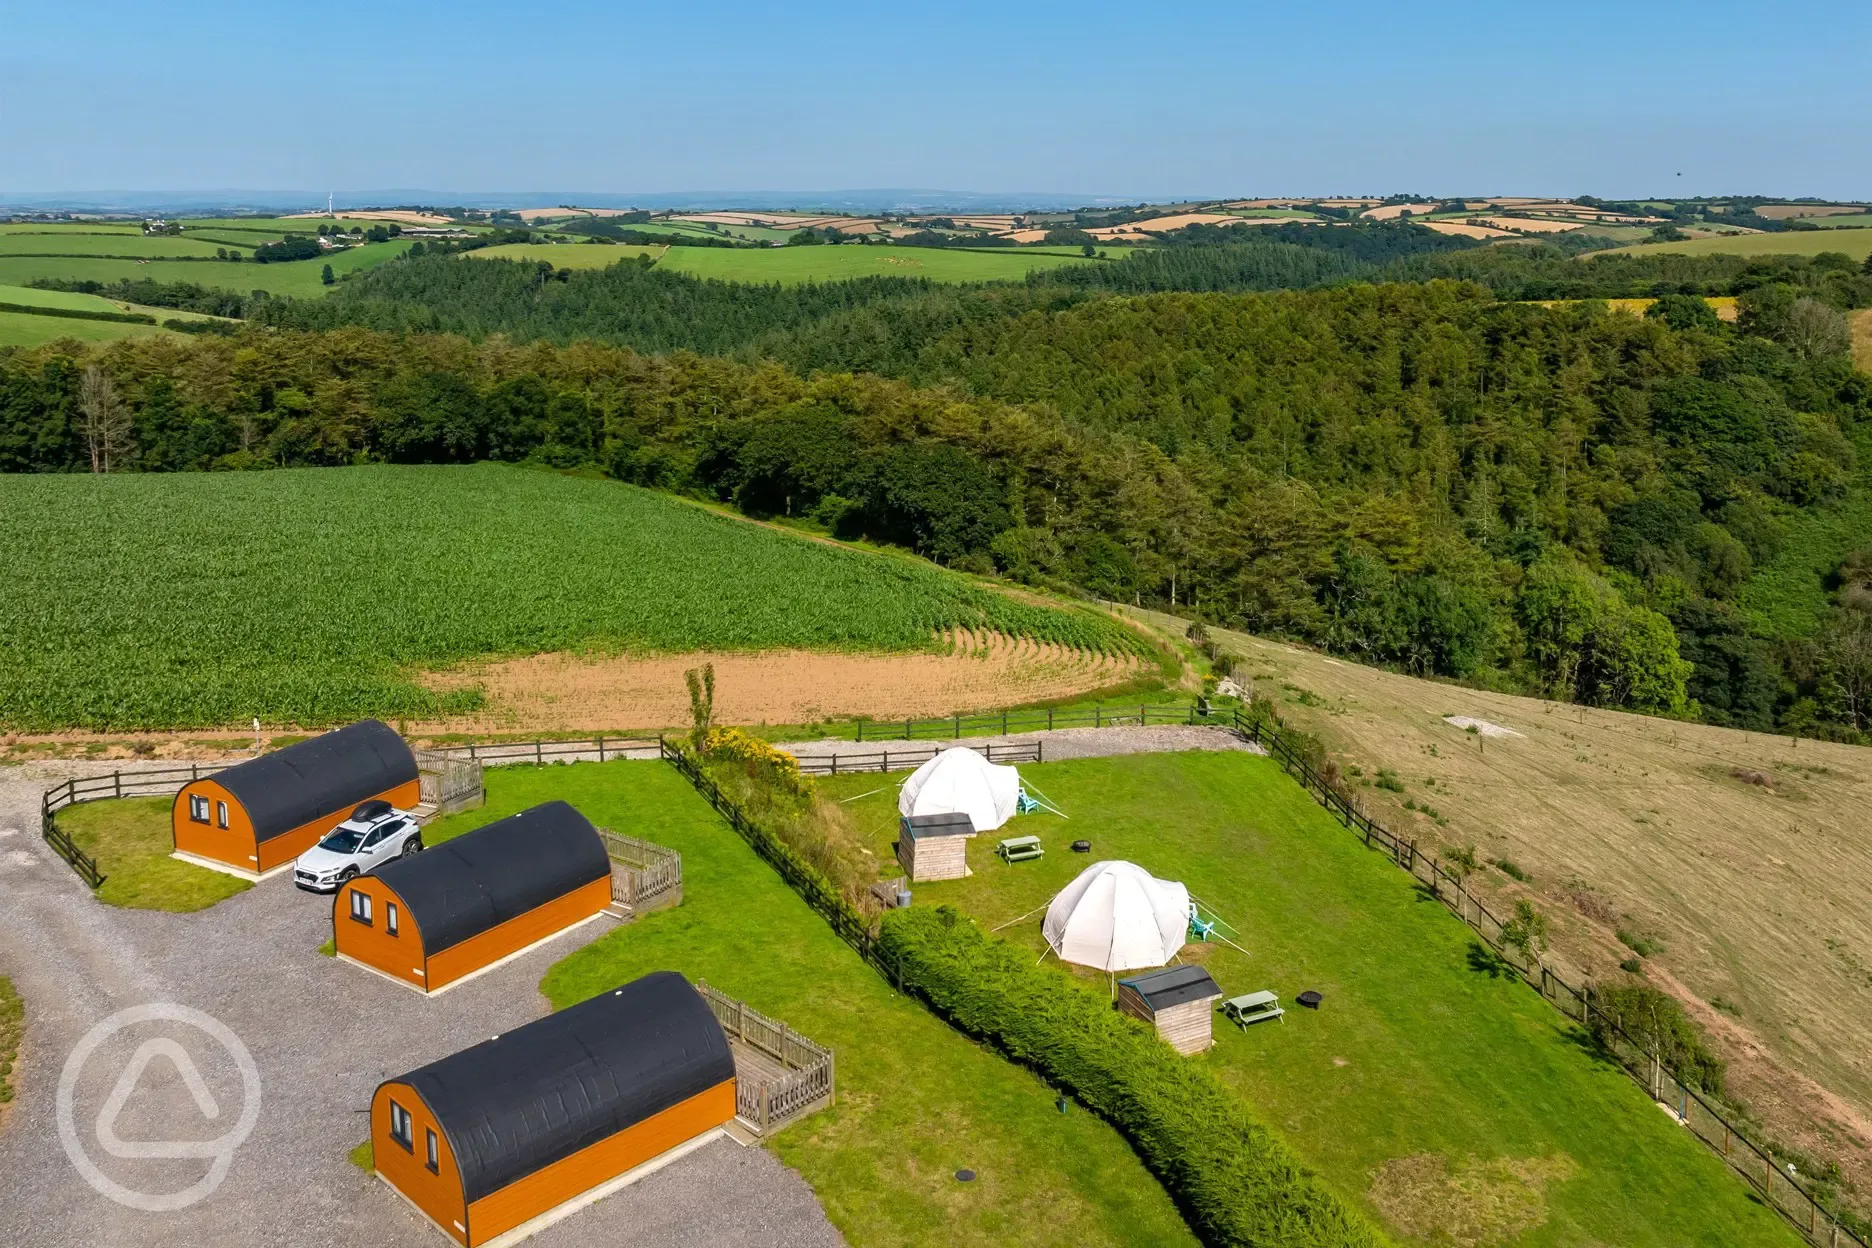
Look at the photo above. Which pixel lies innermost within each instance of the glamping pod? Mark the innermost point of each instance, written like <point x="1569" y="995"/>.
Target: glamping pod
<point x="435" y="917"/>
<point x="934" y="847"/>
<point x="960" y="781"/>
<point x="1178" y="1001"/>
<point x="1116" y="916"/>
<point x="257" y="816"/>
<point x="491" y="1138"/>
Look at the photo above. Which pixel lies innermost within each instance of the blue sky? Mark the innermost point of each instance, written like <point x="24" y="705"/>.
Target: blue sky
<point x="1564" y="97"/>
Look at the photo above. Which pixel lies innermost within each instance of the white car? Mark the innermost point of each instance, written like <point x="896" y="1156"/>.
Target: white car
<point x="376" y="833"/>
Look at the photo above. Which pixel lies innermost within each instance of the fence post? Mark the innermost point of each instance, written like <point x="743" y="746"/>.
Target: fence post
<point x="1097" y="716"/>
<point x="835" y="764"/>
<point x="763" y="1109"/>
<point x="601" y="757"/>
<point x="1049" y="719"/>
<point x="117" y="782"/>
<point x="958" y="730"/>
<point x="861" y="730"/>
<point x="1004" y="723"/>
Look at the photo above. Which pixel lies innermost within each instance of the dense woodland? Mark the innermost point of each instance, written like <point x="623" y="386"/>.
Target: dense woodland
<point x="1566" y="500"/>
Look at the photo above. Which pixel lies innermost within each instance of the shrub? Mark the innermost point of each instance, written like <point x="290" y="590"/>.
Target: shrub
<point x="1237" y="1182"/>
<point x="1658" y="1023"/>
<point x="1509" y="869"/>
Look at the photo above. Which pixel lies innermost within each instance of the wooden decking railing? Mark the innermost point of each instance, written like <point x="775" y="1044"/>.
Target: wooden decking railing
<point x="796" y="1079"/>
<point x="644" y="876"/>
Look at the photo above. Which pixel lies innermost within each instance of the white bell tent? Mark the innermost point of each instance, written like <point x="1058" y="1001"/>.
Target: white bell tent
<point x="1116" y="916"/>
<point x="962" y="781"/>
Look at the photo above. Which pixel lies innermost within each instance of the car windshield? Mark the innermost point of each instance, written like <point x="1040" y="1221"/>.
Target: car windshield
<point x="343" y="841"/>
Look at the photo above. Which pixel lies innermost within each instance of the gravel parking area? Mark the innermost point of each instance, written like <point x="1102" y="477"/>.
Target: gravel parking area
<point x="1058" y="744"/>
<point x="321" y="1034"/>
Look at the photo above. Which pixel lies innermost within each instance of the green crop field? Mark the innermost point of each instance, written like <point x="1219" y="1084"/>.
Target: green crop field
<point x="566" y="255"/>
<point x="1452" y="1100"/>
<point x="1844" y="221"/>
<point x="23" y="329"/>
<point x="306" y="595"/>
<point x="74" y="242"/>
<point x="298" y="277"/>
<point x="1856" y="243"/>
<point x="789" y="265"/>
<point x="76" y="227"/>
<point x="916" y="1101"/>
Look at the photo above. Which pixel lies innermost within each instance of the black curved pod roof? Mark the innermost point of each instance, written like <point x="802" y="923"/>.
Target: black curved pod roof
<point x="482" y="878"/>
<point x="520" y="1102"/>
<point x="295" y="785"/>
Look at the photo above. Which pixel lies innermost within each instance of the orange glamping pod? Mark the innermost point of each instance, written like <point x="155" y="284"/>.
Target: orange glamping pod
<point x="259" y="815"/>
<point x="496" y="1135"/>
<point x="465" y="904"/>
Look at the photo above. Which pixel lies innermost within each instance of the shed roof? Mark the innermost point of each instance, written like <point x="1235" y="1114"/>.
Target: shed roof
<point x="520" y="1102"/>
<point x="1173" y="986"/>
<point x="293" y="786"/>
<point x="482" y="878"/>
<point x="949" y="823"/>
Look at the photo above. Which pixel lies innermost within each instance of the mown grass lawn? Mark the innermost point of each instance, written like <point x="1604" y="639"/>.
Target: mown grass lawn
<point x="131" y="839"/>
<point x="12" y="1029"/>
<point x="916" y="1101"/>
<point x="1430" y="1084"/>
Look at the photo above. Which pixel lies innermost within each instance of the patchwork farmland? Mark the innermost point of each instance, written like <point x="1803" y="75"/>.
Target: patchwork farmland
<point x="311" y="597"/>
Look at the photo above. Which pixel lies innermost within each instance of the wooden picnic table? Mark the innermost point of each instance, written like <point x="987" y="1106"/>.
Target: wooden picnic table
<point x="1020" y="848"/>
<point x="1253" y="1007"/>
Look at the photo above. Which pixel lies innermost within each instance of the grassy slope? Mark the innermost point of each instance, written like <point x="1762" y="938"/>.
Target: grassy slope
<point x="299" y="277"/>
<point x="566" y="255"/>
<point x="916" y="1101"/>
<point x="301" y="595"/>
<point x="23" y="329"/>
<point x="131" y="839"/>
<point x="1788" y="597"/>
<point x="1419" y="1048"/>
<point x="1856" y="243"/>
<point x="12" y="1030"/>
<point x="790" y="265"/>
<point x="142" y="246"/>
<point x="1755" y="893"/>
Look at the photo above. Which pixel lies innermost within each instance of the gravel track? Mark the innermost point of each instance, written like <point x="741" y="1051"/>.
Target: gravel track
<point x="322" y="1033"/>
<point x="1057" y="744"/>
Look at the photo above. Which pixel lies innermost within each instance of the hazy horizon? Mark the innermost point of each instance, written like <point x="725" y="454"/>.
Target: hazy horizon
<point x="1365" y="98"/>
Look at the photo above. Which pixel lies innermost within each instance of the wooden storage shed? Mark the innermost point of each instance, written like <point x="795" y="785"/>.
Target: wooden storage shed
<point x="1178" y="1000"/>
<point x="487" y="1140"/>
<point x="934" y="847"/>
<point x="256" y="817"/>
<point x="433" y="918"/>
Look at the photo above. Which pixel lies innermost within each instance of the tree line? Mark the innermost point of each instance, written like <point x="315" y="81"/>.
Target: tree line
<point x="1564" y="500"/>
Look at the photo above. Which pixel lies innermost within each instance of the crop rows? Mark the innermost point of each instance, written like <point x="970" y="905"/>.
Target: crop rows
<point x="312" y="596"/>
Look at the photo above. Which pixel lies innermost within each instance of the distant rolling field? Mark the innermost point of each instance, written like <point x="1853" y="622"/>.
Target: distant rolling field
<point x="298" y="277"/>
<point x="23" y="329"/>
<point x="1856" y="243"/>
<point x="74" y="242"/>
<point x="789" y="265"/>
<point x="566" y="255"/>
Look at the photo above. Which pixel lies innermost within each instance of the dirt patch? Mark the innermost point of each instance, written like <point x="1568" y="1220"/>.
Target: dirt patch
<point x="1473" y="1204"/>
<point x="1788" y="212"/>
<point x="569" y="692"/>
<point x="1463" y="229"/>
<point x="1531" y="225"/>
<point x="1482" y="726"/>
<point x="405" y="218"/>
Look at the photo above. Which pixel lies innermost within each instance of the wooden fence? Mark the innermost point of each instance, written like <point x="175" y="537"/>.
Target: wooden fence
<point x="644" y="876"/>
<point x="1002" y="723"/>
<point x="911" y="757"/>
<point x="1645" y="1066"/>
<point x="765" y="1103"/>
<point x="1661" y="1082"/>
<point x="449" y="782"/>
<point x="580" y="749"/>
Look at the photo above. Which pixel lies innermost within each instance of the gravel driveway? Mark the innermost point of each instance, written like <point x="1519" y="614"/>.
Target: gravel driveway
<point x="321" y="1033"/>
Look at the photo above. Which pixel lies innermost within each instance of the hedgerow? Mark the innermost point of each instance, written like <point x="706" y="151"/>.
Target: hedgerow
<point x="1237" y="1182"/>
